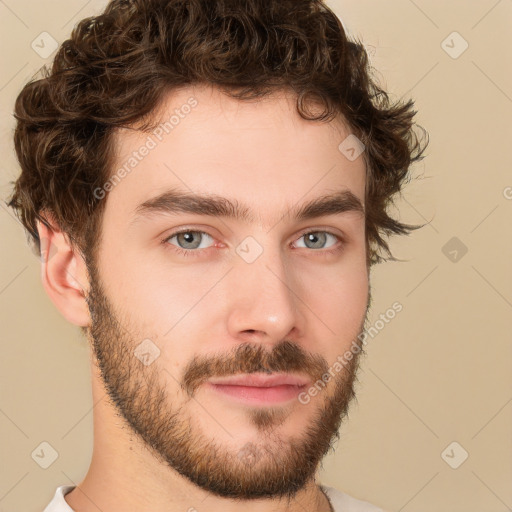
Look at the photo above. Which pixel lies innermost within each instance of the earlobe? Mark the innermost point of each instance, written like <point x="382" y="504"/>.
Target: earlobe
<point x="64" y="274"/>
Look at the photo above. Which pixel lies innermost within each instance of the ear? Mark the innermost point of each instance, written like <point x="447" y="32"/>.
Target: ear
<point x="64" y="274"/>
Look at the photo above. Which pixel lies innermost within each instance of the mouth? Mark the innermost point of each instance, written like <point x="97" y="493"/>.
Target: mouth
<point x="260" y="389"/>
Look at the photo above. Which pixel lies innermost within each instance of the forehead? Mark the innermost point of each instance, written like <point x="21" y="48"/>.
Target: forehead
<point x="260" y="152"/>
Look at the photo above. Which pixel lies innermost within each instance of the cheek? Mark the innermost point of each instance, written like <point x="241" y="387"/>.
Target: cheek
<point x="338" y="296"/>
<point x="155" y="294"/>
<point x="343" y="300"/>
<point x="175" y="309"/>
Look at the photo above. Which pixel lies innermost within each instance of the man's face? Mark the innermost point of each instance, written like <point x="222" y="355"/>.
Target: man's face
<point x="172" y="314"/>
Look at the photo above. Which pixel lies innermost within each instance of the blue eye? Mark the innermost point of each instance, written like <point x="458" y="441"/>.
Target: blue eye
<point x="317" y="239"/>
<point x="188" y="240"/>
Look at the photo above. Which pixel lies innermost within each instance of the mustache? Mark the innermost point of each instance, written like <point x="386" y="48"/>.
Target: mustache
<point x="285" y="357"/>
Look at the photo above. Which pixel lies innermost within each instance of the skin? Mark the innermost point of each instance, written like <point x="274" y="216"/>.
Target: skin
<point x="163" y="440"/>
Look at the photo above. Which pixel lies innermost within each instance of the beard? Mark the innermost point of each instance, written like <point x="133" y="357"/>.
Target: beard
<point x="270" y="466"/>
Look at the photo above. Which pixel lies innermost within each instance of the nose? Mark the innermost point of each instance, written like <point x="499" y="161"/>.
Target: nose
<point x="264" y="303"/>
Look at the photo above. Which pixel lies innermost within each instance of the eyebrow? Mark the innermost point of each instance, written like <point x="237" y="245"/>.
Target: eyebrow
<point x="176" y="201"/>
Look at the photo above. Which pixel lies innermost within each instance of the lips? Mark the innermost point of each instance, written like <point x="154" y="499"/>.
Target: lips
<point x="259" y="389"/>
<point x="261" y="380"/>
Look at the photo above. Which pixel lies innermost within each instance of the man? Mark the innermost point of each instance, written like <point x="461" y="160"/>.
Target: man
<point x="207" y="184"/>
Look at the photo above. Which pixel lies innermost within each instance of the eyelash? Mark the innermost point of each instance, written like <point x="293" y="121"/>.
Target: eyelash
<point x="196" y="252"/>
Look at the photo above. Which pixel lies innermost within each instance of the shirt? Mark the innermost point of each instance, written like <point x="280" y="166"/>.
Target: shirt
<point x="340" y="501"/>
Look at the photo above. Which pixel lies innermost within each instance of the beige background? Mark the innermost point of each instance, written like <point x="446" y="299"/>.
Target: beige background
<point x="437" y="373"/>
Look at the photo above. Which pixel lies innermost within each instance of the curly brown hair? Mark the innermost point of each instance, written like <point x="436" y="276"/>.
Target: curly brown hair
<point x="116" y="67"/>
